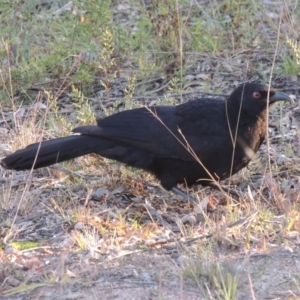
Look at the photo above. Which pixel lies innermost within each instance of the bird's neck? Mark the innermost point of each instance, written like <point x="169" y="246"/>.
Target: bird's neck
<point x="251" y="129"/>
<point x="241" y="118"/>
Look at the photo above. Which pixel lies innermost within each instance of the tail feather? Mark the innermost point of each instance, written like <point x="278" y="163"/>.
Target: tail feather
<point x="50" y="152"/>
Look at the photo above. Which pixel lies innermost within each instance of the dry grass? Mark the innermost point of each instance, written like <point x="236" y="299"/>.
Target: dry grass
<point x="94" y="228"/>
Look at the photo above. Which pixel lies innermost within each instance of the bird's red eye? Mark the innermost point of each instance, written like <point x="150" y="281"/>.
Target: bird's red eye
<point x="256" y="95"/>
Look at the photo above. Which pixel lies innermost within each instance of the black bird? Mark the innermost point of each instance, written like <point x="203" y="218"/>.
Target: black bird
<point x="198" y="141"/>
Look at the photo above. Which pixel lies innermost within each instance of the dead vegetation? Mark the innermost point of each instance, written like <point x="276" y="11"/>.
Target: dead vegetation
<point x="97" y="229"/>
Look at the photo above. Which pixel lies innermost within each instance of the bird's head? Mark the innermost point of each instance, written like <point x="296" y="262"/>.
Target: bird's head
<point x="252" y="98"/>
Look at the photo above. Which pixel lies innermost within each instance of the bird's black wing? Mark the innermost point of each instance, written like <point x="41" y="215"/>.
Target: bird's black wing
<point x="165" y="130"/>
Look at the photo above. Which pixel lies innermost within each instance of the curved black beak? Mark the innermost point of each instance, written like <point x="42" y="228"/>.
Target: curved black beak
<point x="279" y="96"/>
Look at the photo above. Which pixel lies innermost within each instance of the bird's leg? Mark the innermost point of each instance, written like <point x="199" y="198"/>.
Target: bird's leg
<point x="221" y="188"/>
<point x="183" y="195"/>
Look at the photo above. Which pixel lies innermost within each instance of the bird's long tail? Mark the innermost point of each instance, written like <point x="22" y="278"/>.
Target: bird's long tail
<point x="50" y="152"/>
